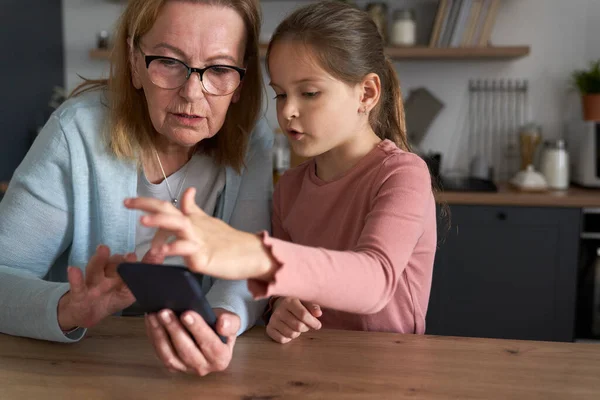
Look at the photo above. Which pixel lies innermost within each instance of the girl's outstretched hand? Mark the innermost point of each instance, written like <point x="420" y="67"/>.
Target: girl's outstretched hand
<point x="208" y="245"/>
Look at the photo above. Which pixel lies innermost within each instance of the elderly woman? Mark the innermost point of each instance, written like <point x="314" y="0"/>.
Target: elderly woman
<point x="180" y="109"/>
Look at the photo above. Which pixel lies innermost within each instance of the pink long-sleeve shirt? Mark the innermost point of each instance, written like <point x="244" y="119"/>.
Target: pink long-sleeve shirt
<point x="361" y="246"/>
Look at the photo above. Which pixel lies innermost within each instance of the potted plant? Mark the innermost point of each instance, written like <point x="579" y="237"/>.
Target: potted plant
<point x="588" y="84"/>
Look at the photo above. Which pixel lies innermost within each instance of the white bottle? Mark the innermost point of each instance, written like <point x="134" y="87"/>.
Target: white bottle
<point x="555" y="165"/>
<point x="404" y="29"/>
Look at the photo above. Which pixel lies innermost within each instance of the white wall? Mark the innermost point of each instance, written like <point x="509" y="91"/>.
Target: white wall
<point x="82" y="20"/>
<point x="562" y="35"/>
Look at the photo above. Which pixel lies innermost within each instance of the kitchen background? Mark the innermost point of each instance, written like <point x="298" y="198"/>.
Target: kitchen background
<point x="520" y="264"/>
<point x="562" y="36"/>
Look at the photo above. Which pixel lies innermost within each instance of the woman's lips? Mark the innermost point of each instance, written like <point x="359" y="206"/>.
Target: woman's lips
<point x="187" y="119"/>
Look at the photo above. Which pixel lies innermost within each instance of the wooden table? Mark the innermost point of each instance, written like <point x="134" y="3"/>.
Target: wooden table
<point x="115" y="361"/>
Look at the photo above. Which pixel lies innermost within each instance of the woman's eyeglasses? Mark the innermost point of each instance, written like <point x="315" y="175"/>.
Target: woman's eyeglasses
<point x="171" y="73"/>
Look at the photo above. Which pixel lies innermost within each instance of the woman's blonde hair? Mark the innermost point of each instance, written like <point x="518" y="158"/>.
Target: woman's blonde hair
<point x="129" y="125"/>
<point x="347" y="44"/>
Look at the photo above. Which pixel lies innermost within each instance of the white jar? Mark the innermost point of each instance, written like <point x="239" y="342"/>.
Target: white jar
<point x="555" y="165"/>
<point x="404" y="28"/>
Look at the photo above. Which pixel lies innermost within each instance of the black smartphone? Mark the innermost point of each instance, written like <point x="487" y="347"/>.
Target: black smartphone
<point x="156" y="287"/>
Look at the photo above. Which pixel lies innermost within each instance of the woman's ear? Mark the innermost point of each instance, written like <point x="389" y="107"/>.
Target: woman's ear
<point x="370" y="90"/>
<point x="133" y="59"/>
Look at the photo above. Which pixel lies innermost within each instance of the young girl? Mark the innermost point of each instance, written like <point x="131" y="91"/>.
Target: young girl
<point x="353" y="229"/>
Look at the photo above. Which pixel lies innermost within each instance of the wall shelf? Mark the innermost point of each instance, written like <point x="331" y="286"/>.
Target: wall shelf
<point x="99" y="54"/>
<point x="457" y="53"/>
<point x="418" y="53"/>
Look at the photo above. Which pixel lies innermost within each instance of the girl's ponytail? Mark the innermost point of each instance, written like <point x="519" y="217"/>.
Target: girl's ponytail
<point x="388" y="121"/>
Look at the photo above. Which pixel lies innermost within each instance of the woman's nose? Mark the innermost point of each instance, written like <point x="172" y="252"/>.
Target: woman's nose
<point x="192" y="89"/>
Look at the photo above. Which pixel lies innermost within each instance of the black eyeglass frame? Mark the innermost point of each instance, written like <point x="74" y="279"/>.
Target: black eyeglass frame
<point x="190" y="70"/>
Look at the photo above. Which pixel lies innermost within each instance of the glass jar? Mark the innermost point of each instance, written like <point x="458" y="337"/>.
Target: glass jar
<point x="404" y="28"/>
<point x="555" y="164"/>
<point x="379" y="11"/>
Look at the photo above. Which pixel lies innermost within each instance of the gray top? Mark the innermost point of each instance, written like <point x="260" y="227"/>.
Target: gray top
<point x="202" y="173"/>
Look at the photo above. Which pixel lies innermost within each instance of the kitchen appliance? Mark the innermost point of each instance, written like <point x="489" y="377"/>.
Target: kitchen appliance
<point x="583" y="139"/>
<point x="588" y="288"/>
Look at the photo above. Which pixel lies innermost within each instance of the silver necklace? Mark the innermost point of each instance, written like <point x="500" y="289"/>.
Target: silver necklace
<point x="174" y="199"/>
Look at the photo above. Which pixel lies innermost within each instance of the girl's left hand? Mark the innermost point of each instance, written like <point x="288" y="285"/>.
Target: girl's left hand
<point x="208" y="245"/>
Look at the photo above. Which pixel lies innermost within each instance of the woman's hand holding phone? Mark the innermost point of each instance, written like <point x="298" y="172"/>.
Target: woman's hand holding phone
<point x="187" y="344"/>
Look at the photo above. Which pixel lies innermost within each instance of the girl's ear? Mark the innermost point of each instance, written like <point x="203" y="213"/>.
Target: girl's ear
<point x="370" y="89"/>
<point x="133" y="58"/>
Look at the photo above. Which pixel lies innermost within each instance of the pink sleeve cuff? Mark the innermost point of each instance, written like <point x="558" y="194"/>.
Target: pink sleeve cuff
<point x="278" y="250"/>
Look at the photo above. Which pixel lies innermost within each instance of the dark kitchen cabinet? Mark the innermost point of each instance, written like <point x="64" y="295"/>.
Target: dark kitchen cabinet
<point x="31" y="47"/>
<point x="506" y="272"/>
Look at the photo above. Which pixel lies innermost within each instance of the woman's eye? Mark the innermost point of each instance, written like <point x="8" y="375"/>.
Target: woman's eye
<point x="168" y="63"/>
<point x="279" y="96"/>
<point x="310" y="94"/>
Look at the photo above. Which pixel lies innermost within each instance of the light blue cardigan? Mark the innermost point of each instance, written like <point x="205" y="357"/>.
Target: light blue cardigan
<point x="66" y="198"/>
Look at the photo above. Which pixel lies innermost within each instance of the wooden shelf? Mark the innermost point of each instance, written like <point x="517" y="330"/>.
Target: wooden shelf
<point x="451" y="53"/>
<point x="99" y="54"/>
<point x="417" y="53"/>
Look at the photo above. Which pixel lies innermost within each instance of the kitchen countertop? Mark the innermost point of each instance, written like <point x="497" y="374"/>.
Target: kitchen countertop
<point x="575" y="197"/>
<point x="116" y="361"/>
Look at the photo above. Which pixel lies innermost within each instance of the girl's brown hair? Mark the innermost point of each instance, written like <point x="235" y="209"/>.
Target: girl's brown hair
<point x="129" y="125"/>
<point x="346" y="43"/>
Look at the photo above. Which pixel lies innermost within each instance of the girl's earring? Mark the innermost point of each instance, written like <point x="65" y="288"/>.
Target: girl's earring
<point x="363" y="111"/>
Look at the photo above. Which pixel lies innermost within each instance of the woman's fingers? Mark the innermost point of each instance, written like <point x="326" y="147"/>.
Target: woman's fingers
<point x="76" y="283"/>
<point x="185" y="347"/>
<point x="216" y="353"/>
<point x="152" y="257"/>
<point x="94" y="271"/>
<point x="162" y="344"/>
<point x="158" y="241"/>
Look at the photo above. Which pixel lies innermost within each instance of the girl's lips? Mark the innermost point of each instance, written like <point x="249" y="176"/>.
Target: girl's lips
<point x="295" y="135"/>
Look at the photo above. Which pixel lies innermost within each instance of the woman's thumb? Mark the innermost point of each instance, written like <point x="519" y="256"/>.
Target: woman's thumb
<point x="228" y="324"/>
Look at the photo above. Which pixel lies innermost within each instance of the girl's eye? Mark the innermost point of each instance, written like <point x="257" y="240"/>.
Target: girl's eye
<point x="310" y="94"/>
<point x="279" y="96"/>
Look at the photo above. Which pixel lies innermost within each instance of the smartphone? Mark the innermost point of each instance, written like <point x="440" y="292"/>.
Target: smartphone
<point x="156" y="287"/>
